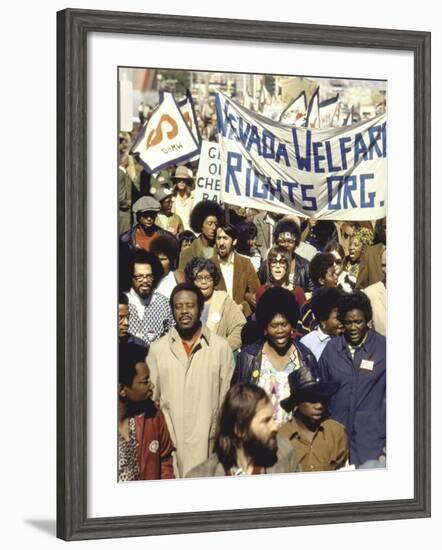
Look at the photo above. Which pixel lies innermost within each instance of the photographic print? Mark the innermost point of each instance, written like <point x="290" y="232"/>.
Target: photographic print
<point x="232" y="174"/>
<point x="252" y="274"/>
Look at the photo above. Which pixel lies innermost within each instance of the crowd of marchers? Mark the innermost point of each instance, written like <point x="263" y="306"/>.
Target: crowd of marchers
<point x="249" y="342"/>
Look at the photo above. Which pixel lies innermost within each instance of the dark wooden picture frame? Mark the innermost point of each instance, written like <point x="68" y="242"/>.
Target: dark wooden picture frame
<point x="73" y="27"/>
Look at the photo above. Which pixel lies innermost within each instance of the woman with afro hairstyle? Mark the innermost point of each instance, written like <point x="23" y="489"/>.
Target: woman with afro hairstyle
<point x="268" y="361"/>
<point x="205" y="218"/>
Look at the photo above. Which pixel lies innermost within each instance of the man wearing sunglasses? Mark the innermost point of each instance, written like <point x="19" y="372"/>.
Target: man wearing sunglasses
<point x="145" y="230"/>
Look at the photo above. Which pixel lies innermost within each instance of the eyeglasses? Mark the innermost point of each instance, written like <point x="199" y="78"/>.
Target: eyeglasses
<point x="203" y="278"/>
<point x="148" y="277"/>
<point x="278" y="262"/>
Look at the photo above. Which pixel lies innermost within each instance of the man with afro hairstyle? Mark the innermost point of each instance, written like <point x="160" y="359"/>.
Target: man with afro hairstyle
<point x="205" y="218"/>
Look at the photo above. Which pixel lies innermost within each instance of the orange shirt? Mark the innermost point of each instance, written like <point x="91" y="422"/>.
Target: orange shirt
<point x="142" y="240"/>
<point x="189" y="347"/>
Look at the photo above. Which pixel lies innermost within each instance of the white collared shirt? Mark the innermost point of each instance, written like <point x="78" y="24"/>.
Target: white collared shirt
<point x="227" y="271"/>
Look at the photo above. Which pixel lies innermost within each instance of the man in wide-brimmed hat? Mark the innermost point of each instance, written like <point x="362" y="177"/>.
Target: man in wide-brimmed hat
<point x="166" y="218"/>
<point x="320" y="444"/>
<point x="182" y="181"/>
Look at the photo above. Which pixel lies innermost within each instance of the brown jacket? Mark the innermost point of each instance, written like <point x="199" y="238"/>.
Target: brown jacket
<point x="370" y="268"/>
<point x="245" y="280"/>
<point x="327" y="451"/>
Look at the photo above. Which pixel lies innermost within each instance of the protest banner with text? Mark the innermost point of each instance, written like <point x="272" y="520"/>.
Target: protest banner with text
<point x="331" y="173"/>
<point x="166" y="138"/>
<point x="208" y="178"/>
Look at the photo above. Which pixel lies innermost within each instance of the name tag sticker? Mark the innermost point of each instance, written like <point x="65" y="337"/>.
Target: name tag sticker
<point x="367" y="365"/>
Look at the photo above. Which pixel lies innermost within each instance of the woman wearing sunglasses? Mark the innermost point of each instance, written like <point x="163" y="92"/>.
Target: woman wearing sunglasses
<point x="346" y="281"/>
<point x="278" y="270"/>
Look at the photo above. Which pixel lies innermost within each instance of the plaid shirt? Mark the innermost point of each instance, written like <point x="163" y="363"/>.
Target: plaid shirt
<point x="156" y="319"/>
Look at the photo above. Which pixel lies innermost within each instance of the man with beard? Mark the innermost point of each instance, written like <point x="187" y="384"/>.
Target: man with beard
<point x="238" y="276"/>
<point x="206" y="216"/>
<point x="246" y="441"/>
<point x="149" y="312"/>
<point x="191" y="368"/>
<point x="144" y="445"/>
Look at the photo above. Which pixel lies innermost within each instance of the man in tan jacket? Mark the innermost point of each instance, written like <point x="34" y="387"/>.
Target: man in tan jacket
<point x="191" y="369"/>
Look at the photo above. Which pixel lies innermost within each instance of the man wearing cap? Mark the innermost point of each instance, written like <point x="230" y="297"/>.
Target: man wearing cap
<point x="205" y="219"/>
<point x="320" y="444"/>
<point x="183" y="204"/>
<point x="145" y="230"/>
<point x="166" y="218"/>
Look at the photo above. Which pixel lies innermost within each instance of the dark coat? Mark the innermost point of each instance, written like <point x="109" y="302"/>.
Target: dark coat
<point x="248" y="362"/>
<point x="359" y="403"/>
<point x="127" y="239"/>
<point x="302" y="274"/>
